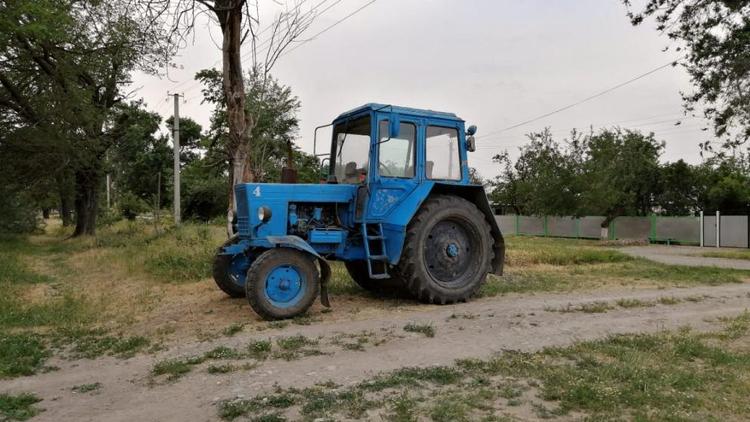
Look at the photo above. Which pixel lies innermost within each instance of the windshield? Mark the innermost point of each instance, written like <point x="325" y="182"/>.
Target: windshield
<point x="351" y="150"/>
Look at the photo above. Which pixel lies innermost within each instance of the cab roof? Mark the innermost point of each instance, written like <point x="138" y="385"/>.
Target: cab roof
<point x="417" y="112"/>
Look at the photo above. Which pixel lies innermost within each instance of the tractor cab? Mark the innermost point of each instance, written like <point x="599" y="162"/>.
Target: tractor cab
<point x="374" y="142"/>
<point x="396" y="204"/>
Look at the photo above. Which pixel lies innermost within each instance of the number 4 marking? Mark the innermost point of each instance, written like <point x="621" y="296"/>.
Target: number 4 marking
<point x="256" y="191"/>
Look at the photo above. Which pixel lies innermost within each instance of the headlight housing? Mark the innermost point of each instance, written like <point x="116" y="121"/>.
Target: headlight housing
<point x="264" y="214"/>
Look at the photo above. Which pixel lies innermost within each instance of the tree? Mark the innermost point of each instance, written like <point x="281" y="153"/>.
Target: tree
<point x="716" y="35"/>
<point x="543" y="181"/>
<point x="239" y="21"/>
<point x="273" y="133"/>
<point x="679" y="189"/>
<point x="141" y="158"/>
<point x="63" y="65"/>
<point x="724" y="185"/>
<point x="612" y="172"/>
<point x="620" y="174"/>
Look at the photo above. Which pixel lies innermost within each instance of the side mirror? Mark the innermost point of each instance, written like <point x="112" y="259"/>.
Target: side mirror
<point x="471" y="144"/>
<point x="471" y="130"/>
<point x="395" y="126"/>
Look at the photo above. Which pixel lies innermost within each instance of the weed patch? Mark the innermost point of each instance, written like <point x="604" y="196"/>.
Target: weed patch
<point x="18" y="407"/>
<point x="636" y="376"/>
<point x="424" y="329"/>
<point x="21" y="354"/>
<point x="87" y="388"/>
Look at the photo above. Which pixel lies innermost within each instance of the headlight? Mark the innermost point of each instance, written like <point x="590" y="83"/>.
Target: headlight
<point x="264" y="214"/>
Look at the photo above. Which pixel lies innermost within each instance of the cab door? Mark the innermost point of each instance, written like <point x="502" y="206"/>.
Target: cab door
<point x="394" y="166"/>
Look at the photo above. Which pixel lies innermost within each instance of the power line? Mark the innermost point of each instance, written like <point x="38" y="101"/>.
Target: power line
<point x="674" y="120"/>
<point x="296" y="8"/>
<point x="328" y="28"/>
<point x="325" y="29"/>
<point x="577" y="103"/>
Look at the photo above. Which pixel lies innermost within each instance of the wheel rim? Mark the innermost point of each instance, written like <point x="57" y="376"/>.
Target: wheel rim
<point x="285" y="286"/>
<point x="450" y="252"/>
<point x="238" y="269"/>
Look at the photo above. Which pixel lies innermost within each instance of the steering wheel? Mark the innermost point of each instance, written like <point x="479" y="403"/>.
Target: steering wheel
<point x="382" y="166"/>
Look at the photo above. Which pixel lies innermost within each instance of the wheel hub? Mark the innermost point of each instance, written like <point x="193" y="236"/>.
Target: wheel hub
<point x="448" y="251"/>
<point x="284" y="284"/>
<point x="452" y="250"/>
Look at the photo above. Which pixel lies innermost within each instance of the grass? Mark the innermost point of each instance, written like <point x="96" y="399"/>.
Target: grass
<point x="18" y="407"/>
<point x="87" y="388"/>
<point x="290" y="348"/>
<point x="233" y="329"/>
<point x="90" y="344"/>
<point x="21" y="354"/>
<point x="547" y="264"/>
<point x="633" y="303"/>
<point x="670" y="375"/>
<point x="424" y="329"/>
<point x="728" y="254"/>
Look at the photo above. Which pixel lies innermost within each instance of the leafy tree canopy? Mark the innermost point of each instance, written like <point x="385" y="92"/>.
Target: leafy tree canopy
<point x="716" y="37"/>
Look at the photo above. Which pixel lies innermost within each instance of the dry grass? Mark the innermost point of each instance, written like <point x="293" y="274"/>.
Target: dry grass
<point x="133" y="280"/>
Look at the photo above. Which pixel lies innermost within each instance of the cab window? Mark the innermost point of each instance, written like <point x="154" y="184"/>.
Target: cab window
<point x="351" y="149"/>
<point x="397" y="155"/>
<point x="442" y="160"/>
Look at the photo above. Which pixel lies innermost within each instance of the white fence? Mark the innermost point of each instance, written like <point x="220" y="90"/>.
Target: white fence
<point x="710" y="230"/>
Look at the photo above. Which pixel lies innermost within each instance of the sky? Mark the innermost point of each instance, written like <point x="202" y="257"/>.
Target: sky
<point x="494" y="63"/>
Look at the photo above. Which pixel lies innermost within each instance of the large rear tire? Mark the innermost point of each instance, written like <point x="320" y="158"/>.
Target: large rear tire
<point x="447" y="251"/>
<point x="230" y="271"/>
<point x="358" y="272"/>
<point x="282" y="283"/>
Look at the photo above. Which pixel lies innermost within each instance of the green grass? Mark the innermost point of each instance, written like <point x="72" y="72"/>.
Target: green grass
<point x="670" y="375"/>
<point x="12" y="268"/>
<point x="21" y="354"/>
<point x="89" y="344"/>
<point x="588" y="276"/>
<point x="233" y="329"/>
<point x="424" y="329"/>
<point x="18" y="407"/>
<point x="259" y="349"/>
<point x="182" y="254"/>
<point x="729" y="254"/>
<point x="174" y="368"/>
<point x="522" y="251"/>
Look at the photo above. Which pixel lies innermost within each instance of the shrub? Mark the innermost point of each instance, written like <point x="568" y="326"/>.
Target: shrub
<point x="130" y="205"/>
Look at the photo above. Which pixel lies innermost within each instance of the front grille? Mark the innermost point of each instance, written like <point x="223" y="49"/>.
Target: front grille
<point x="243" y="210"/>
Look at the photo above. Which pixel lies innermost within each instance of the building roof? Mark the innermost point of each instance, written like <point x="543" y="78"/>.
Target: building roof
<point x="400" y="110"/>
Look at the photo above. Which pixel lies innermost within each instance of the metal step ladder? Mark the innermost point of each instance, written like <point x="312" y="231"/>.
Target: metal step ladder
<point x="372" y="235"/>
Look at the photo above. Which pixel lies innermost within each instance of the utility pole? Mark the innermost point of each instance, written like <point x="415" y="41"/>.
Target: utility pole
<point x="176" y="145"/>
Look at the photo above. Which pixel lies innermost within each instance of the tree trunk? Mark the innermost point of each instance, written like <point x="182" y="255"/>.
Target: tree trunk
<point x="86" y="202"/>
<point x="65" y="191"/>
<point x="45" y="213"/>
<point x="229" y="14"/>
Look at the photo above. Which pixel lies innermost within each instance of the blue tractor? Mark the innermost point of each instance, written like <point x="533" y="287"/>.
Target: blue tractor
<point x="397" y="204"/>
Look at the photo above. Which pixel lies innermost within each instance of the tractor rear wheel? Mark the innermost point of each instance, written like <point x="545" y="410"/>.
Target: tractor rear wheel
<point x="282" y="283"/>
<point x="447" y="251"/>
<point x="230" y="271"/>
<point x="358" y="272"/>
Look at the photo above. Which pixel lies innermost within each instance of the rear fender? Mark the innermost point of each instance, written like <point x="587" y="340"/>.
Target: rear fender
<point x="298" y="243"/>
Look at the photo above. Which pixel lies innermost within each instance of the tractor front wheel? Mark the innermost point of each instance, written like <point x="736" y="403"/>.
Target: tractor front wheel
<point x="447" y="251"/>
<point x="282" y="283"/>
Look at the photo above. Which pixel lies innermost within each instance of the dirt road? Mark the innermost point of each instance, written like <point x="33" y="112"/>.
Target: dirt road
<point x="685" y="255"/>
<point x="477" y="329"/>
